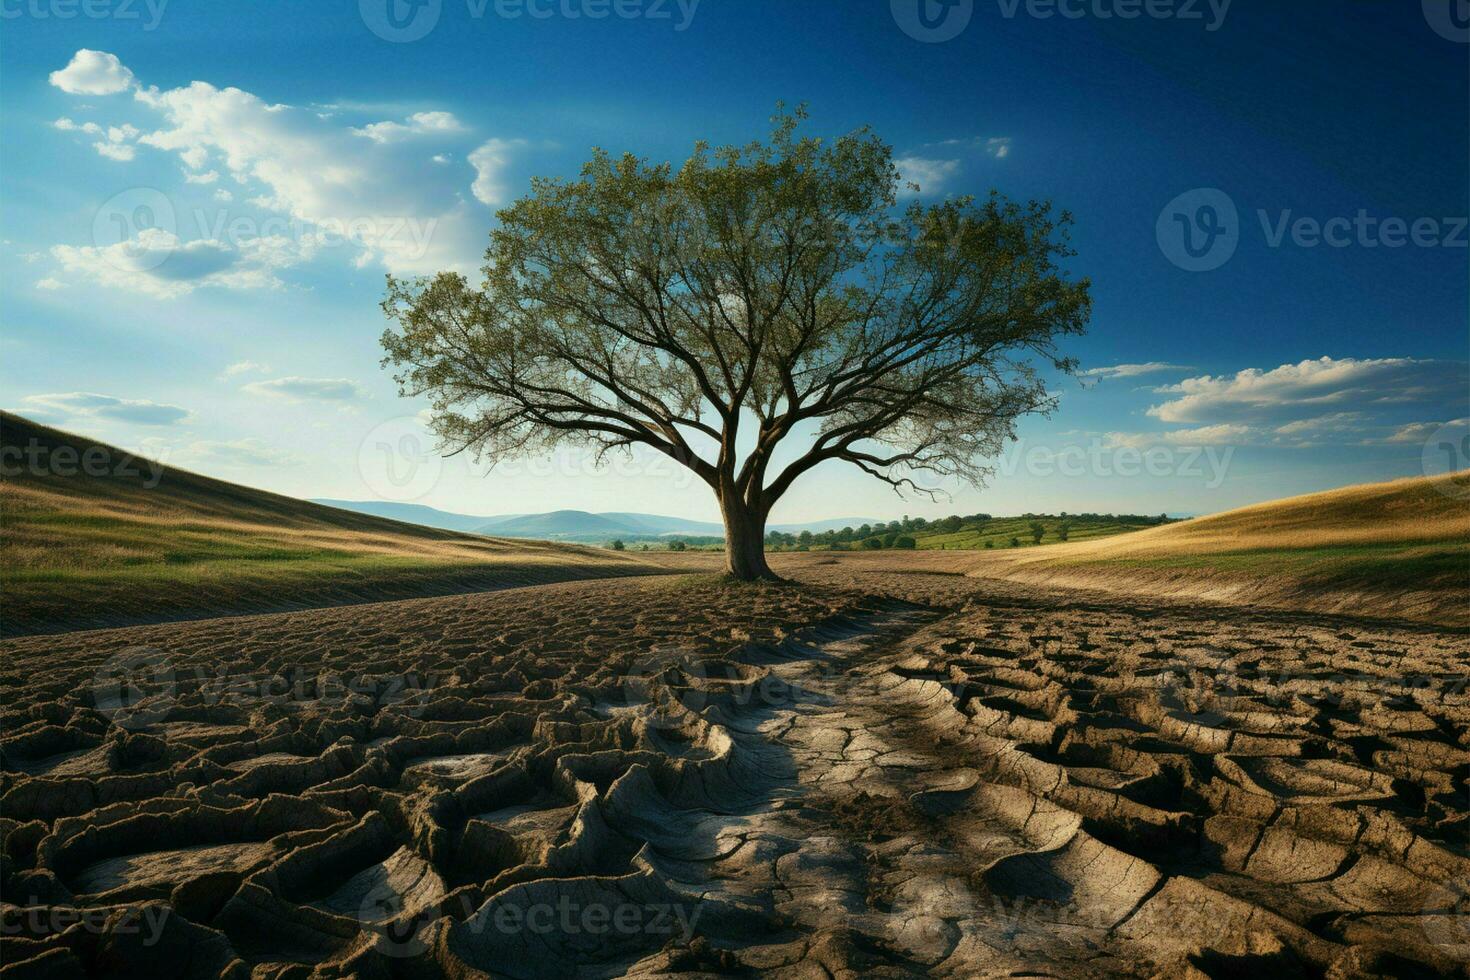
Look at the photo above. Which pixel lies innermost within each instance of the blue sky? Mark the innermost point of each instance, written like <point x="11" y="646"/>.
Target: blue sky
<point x="200" y="201"/>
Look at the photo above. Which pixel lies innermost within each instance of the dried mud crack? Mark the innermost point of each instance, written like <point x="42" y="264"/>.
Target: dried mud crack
<point x="911" y="775"/>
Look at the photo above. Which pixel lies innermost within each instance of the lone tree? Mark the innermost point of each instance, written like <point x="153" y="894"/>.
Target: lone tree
<point x="756" y="297"/>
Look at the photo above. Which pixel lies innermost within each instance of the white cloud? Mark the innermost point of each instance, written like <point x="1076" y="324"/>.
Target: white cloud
<point x="375" y="193"/>
<point x="490" y="160"/>
<point x="245" y="367"/>
<point x="67" y="126"/>
<point x="49" y="283"/>
<point x="116" y="143"/>
<point x="1419" y="432"/>
<point x="93" y="73"/>
<point x="307" y="389"/>
<point x="930" y="175"/>
<point x="208" y="177"/>
<point x="998" y="147"/>
<point x="238" y="452"/>
<point x="418" y="124"/>
<point x="87" y="404"/>
<point x="1206" y="435"/>
<point x="1311" y="389"/>
<point x="1132" y="370"/>
<point x="115" y="151"/>
<point x="158" y="264"/>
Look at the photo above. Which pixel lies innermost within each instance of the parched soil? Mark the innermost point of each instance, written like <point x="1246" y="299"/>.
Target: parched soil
<point x="849" y="774"/>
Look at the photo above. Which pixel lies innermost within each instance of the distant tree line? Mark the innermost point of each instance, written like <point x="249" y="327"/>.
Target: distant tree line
<point x="907" y="532"/>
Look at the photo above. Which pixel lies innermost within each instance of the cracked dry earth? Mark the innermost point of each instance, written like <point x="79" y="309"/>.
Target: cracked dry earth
<point x="852" y="775"/>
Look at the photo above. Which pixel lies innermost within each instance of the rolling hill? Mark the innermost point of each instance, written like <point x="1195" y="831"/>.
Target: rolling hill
<point x="1400" y="548"/>
<point x="93" y="536"/>
<point x="569" y="525"/>
<point x="413" y="513"/>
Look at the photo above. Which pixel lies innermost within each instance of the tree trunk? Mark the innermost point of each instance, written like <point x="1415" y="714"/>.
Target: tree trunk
<point x="745" y="541"/>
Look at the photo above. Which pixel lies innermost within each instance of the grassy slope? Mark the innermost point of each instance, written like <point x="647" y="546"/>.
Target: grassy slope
<point x="1000" y="531"/>
<point x="81" y="551"/>
<point x="1400" y="548"/>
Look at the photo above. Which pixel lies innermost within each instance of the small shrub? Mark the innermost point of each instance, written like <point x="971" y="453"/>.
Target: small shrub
<point x="989" y="543"/>
<point x="618" y="546"/>
<point x="873" y="544"/>
<point x="1015" y="542"/>
<point x="677" y="546"/>
<point x="904" y="541"/>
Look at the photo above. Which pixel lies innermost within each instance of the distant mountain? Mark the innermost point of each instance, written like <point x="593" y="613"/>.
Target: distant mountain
<point x="413" y="513"/>
<point x="579" y="525"/>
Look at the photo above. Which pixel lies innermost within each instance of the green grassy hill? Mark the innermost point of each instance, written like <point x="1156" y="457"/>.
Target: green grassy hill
<point x="95" y="537"/>
<point x="1400" y="548"/>
<point x="998" y="533"/>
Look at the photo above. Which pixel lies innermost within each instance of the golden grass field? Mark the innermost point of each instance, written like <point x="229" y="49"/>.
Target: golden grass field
<point x="91" y="550"/>
<point x="1399" y="549"/>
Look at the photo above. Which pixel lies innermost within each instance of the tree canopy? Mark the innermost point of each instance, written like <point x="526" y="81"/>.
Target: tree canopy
<point x="755" y="294"/>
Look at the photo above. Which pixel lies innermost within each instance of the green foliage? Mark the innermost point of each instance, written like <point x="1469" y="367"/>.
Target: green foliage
<point x="904" y="541"/>
<point x="640" y="305"/>
<point x="618" y="546"/>
<point x="1038" y="531"/>
<point x="677" y="546"/>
